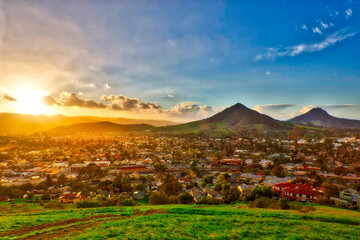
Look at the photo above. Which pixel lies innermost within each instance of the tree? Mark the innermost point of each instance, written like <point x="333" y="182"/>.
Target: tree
<point x="330" y="190"/>
<point x="27" y="187"/>
<point x="122" y="183"/>
<point x="317" y="181"/>
<point x="61" y="180"/>
<point x="185" y="198"/>
<point x="140" y="187"/>
<point x="260" y="191"/>
<point x="92" y="171"/>
<point x="278" y="171"/>
<point x="170" y="185"/>
<point x="49" y="182"/>
<point x="158" y="199"/>
<point x="159" y="168"/>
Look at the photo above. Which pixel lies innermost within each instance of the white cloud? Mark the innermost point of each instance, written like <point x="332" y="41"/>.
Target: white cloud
<point x="317" y="30"/>
<point x="90" y="85"/>
<point x="268" y="73"/>
<point x="292" y="51"/>
<point x="348" y="13"/>
<point x="106" y="86"/>
<point x="323" y="25"/>
<point x="304" y="27"/>
<point x="191" y="110"/>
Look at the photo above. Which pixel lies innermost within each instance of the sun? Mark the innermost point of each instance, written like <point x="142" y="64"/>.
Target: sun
<point x="29" y="101"/>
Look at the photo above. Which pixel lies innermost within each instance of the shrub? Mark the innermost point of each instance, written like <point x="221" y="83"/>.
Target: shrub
<point x="129" y="202"/>
<point x="172" y="199"/>
<point x="158" y="199"/>
<point x="355" y="207"/>
<point x="88" y="204"/>
<point x="262" y="202"/>
<point x="185" y="198"/>
<point x="46" y="197"/>
<point x="296" y="206"/>
<point x="283" y="203"/>
<point x="209" y="200"/>
<point x="260" y="191"/>
<point x="116" y="200"/>
<point x="307" y="209"/>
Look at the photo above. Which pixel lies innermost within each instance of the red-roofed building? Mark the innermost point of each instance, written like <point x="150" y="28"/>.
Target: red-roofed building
<point x="301" y="192"/>
<point x="278" y="188"/>
<point x="184" y="180"/>
<point x="72" y="198"/>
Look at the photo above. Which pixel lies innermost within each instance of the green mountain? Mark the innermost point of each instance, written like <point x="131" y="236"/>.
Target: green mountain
<point x="233" y="119"/>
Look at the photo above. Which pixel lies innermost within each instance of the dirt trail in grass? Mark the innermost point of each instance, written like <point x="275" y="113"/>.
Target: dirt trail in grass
<point x="72" y="228"/>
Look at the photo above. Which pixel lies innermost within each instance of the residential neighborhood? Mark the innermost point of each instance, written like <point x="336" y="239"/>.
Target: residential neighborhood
<point x="72" y="169"/>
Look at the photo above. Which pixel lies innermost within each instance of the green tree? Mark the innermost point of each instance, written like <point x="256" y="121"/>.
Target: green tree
<point x="170" y="185"/>
<point x="260" y="191"/>
<point x="61" y="181"/>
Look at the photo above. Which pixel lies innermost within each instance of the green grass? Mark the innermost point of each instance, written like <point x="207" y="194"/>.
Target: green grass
<point x="186" y="222"/>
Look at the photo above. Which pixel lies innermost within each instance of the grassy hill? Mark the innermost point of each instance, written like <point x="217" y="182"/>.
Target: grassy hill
<point x="231" y="120"/>
<point x="31" y="221"/>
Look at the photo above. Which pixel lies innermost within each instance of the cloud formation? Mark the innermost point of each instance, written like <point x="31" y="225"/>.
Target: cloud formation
<point x="317" y="30"/>
<point x="274" y="110"/>
<point x="293" y="51"/>
<point x="121" y="102"/>
<point x="348" y="13"/>
<point x="67" y="99"/>
<point x="186" y="110"/>
<point x="190" y="109"/>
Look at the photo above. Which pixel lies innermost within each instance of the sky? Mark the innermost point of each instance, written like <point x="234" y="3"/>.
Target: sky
<point x="179" y="60"/>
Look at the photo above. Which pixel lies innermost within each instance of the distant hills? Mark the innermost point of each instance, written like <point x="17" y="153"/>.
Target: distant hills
<point x="320" y="118"/>
<point x="231" y="120"/>
<point x="100" y="127"/>
<point x="25" y="123"/>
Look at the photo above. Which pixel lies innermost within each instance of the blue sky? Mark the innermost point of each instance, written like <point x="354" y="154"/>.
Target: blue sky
<point x="189" y="58"/>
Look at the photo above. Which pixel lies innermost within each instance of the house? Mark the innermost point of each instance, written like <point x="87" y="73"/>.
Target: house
<point x="301" y="192"/>
<point x="278" y="188"/>
<point x="184" y="180"/>
<point x="215" y="194"/>
<point x="196" y="194"/>
<point x="347" y="197"/>
<point x="245" y="189"/>
<point x="71" y="197"/>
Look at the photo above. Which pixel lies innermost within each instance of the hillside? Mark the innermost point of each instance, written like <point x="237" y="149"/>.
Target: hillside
<point x="235" y="118"/>
<point x="100" y="127"/>
<point x="163" y="221"/>
<point x="319" y="117"/>
<point x="25" y="123"/>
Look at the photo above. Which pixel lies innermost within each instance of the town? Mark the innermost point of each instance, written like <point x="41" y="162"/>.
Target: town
<point x="122" y="169"/>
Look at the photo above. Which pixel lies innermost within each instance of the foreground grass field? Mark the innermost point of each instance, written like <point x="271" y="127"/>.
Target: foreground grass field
<point x="31" y="221"/>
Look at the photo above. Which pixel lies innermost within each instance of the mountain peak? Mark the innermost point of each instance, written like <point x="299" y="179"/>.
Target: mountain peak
<point x="319" y="117"/>
<point x="318" y="112"/>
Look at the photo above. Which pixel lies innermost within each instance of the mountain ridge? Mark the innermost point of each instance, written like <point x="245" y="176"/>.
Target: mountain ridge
<point x="321" y="118"/>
